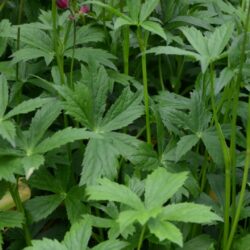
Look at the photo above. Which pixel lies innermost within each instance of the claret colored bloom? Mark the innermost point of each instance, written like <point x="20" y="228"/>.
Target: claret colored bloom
<point x="62" y="4"/>
<point x="84" y="9"/>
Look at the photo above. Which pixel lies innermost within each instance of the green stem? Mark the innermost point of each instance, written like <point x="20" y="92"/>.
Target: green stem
<point x="243" y="185"/>
<point x="73" y="55"/>
<point x="227" y="161"/>
<point x="160" y="73"/>
<point x="236" y="91"/>
<point x="55" y="39"/>
<point x="19" y="205"/>
<point x="142" y="44"/>
<point x="125" y="47"/>
<point x="141" y="237"/>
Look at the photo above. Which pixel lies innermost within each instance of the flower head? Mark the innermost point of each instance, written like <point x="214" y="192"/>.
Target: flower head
<point x="62" y="4"/>
<point x="84" y="9"/>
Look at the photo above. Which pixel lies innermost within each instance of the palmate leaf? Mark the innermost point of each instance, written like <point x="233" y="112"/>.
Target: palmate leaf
<point x="155" y="28"/>
<point x="161" y="185"/>
<point x="87" y="54"/>
<point x="46" y="244"/>
<point x="100" y="159"/>
<point x="147" y="8"/>
<point x="42" y="120"/>
<point x="11" y="219"/>
<point x="123" y="112"/>
<point x="111" y="245"/>
<point x="78" y="236"/>
<point x="42" y="206"/>
<point x="63" y="137"/>
<point x="111" y="191"/>
<point x="134" y="7"/>
<point x="9" y="165"/>
<point x="165" y="230"/>
<point x="189" y="212"/>
<point x="4" y="93"/>
<point x="8" y="131"/>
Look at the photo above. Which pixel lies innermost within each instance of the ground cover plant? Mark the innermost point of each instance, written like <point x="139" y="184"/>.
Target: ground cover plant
<point x="124" y="124"/>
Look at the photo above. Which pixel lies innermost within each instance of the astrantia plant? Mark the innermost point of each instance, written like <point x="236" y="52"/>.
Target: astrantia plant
<point x="124" y="125"/>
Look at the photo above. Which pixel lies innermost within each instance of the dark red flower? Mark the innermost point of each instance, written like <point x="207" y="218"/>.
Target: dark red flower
<point x="84" y="9"/>
<point x="62" y="4"/>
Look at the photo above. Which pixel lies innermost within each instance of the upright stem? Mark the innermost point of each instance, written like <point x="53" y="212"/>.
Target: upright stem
<point x="55" y="39"/>
<point x="236" y="90"/>
<point x="125" y="47"/>
<point x="73" y="55"/>
<point x="16" y="198"/>
<point x="160" y="73"/>
<point x="142" y="44"/>
<point x="141" y="237"/>
<point x="227" y="161"/>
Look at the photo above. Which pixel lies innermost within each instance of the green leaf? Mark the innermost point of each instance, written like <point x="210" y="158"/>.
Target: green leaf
<point x="86" y="54"/>
<point x="124" y="111"/>
<point x="42" y="206"/>
<point x="170" y="50"/>
<point x="63" y="137"/>
<point x="74" y="203"/>
<point x="1" y="241"/>
<point x="31" y="163"/>
<point x="100" y="159"/>
<point x="11" y="219"/>
<point x="78" y="236"/>
<point x="165" y="230"/>
<point x="111" y="245"/>
<point x="46" y="244"/>
<point x="111" y="191"/>
<point x="185" y="144"/>
<point x="189" y="212"/>
<point x="27" y="54"/>
<point x="27" y="106"/>
<point x="161" y="186"/>
<point x="8" y="167"/>
<point x="8" y="131"/>
<point x="155" y="28"/>
<point x="219" y="39"/>
<point x="120" y="21"/>
<point x="4" y="95"/>
<point x="242" y="243"/>
<point x="147" y="8"/>
<point x="42" y="120"/>
<point x="127" y="218"/>
<point x="134" y="7"/>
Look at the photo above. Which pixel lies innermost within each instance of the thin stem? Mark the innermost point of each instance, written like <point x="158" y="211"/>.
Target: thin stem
<point x="55" y="39"/>
<point x="125" y="47"/>
<point x="73" y="54"/>
<point x="236" y="91"/>
<point x="142" y="44"/>
<point x="227" y="161"/>
<point x="243" y="185"/>
<point x="19" y="205"/>
<point x="160" y="73"/>
<point x="141" y="237"/>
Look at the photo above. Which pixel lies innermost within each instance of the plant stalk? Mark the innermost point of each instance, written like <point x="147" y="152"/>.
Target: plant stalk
<point x="142" y="44"/>
<point x="141" y="237"/>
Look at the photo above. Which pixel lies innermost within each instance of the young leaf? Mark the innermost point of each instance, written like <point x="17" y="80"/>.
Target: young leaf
<point x="10" y="219"/>
<point x="46" y="244"/>
<point x="147" y="8"/>
<point x="185" y="144"/>
<point x="165" y="230"/>
<point x="42" y="206"/>
<point x="78" y="236"/>
<point x="161" y="185"/>
<point x="134" y="7"/>
<point x="120" y="21"/>
<point x="189" y="212"/>
<point x="111" y="191"/>
<point x="4" y="95"/>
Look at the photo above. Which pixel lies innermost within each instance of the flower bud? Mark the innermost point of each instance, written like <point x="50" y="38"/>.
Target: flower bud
<point x="62" y="4"/>
<point x="84" y="9"/>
